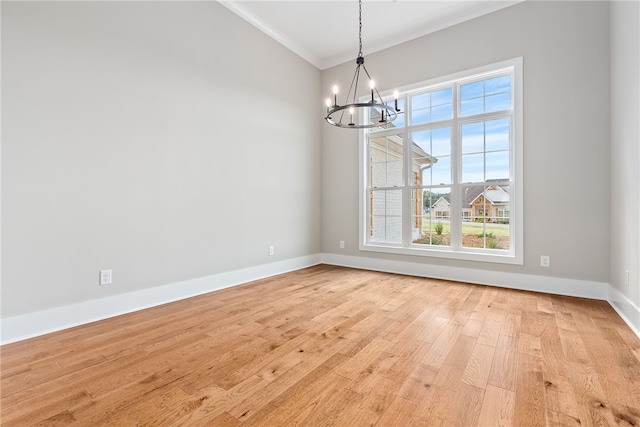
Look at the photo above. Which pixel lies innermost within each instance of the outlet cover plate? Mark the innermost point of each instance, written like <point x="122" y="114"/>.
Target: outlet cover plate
<point x="105" y="277"/>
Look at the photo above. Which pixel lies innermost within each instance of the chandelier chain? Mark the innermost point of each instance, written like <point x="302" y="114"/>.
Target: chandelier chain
<point x="360" y="26"/>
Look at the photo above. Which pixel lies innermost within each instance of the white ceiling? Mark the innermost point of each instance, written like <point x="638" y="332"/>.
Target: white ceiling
<point x="325" y="33"/>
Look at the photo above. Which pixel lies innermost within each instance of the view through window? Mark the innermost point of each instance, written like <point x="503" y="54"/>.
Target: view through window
<point x="444" y="177"/>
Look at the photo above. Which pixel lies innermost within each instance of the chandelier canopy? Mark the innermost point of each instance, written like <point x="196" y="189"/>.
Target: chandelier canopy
<point x="352" y="113"/>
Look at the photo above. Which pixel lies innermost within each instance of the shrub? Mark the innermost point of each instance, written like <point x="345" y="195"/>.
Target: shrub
<point x="487" y="235"/>
<point x="493" y="244"/>
<point x="438" y="228"/>
<point x="437" y="240"/>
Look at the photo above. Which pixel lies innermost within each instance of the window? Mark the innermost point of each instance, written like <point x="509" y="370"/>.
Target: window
<point x="445" y="179"/>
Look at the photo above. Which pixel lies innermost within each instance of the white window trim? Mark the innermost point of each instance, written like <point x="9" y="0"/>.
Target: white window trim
<point x="516" y="252"/>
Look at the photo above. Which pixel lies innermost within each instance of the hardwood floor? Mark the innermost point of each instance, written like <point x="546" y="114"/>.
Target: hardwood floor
<point x="335" y="346"/>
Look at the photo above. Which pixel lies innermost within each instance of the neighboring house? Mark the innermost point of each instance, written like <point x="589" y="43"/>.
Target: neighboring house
<point x="386" y="171"/>
<point x="441" y="208"/>
<point x="421" y="161"/>
<point x="490" y="203"/>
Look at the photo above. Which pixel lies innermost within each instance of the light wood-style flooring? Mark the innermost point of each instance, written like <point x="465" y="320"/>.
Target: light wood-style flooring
<point x="334" y="346"/>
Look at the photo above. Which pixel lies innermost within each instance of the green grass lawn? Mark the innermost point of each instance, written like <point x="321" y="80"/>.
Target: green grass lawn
<point x="468" y="228"/>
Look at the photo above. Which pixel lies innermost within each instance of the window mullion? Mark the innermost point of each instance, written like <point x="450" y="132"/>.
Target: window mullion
<point x="406" y="190"/>
<point x="456" y="168"/>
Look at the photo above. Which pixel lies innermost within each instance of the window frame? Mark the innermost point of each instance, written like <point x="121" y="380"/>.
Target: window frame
<point x="514" y="255"/>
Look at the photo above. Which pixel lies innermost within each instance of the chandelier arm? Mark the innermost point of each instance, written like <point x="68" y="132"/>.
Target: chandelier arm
<point x="353" y="80"/>
<point x="365" y="70"/>
<point x="375" y="89"/>
<point x="341" y="116"/>
<point x="373" y="101"/>
<point x="356" y="79"/>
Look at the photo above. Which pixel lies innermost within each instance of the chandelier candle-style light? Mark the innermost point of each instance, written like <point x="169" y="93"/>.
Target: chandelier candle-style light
<point x="379" y="113"/>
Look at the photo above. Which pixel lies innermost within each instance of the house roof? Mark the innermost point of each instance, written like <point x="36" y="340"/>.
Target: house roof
<point x="445" y="198"/>
<point x="419" y="156"/>
<point x="493" y="193"/>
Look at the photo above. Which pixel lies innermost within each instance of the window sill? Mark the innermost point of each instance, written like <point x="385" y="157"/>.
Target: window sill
<point x="502" y="257"/>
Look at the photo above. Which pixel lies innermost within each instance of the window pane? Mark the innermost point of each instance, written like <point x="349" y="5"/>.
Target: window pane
<point x="472" y="90"/>
<point x="432" y="225"/>
<point x="442" y="104"/>
<point x="441" y="142"/>
<point x="497" y="165"/>
<point x="442" y="97"/>
<point x="498" y="102"/>
<point x="420" y="116"/>
<point x="485" y="217"/>
<point x="432" y="106"/>
<point x="441" y="112"/>
<point x="440" y="172"/>
<point x="471" y="106"/>
<point x="385" y="154"/>
<point x="488" y="95"/>
<point x="394" y="230"/>
<point x="485" y="150"/>
<point x="497" y="134"/>
<point x="473" y="168"/>
<point x="421" y="101"/>
<point x="473" y="138"/>
<point x="431" y="158"/>
<point x="497" y="85"/>
<point x="421" y="108"/>
<point x="386" y="216"/>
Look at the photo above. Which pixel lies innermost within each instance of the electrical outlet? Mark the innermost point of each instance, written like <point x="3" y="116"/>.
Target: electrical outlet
<point x="544" y="261"/>
<point x="105" y="277"/>
<point x="626" y="278"/>
<point x="271" y="250"/>
<point x="341" y="244"/>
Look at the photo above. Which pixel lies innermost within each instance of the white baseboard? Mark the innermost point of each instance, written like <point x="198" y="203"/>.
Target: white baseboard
<point x="628" y="311"/>
<point x="31" y="325"/>
<point x="525" y="282"/>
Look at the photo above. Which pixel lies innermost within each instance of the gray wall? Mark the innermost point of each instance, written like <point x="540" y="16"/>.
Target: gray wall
<point x="565" y="46"/>
<point x="148" y="137"/>
<point x="625" y="148"/>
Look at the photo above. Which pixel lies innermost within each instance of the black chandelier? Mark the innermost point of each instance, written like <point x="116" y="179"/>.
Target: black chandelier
<point x="379" y="113"/>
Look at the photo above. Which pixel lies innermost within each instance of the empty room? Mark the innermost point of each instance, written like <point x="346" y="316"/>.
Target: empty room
<point x="338" y="213"/>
